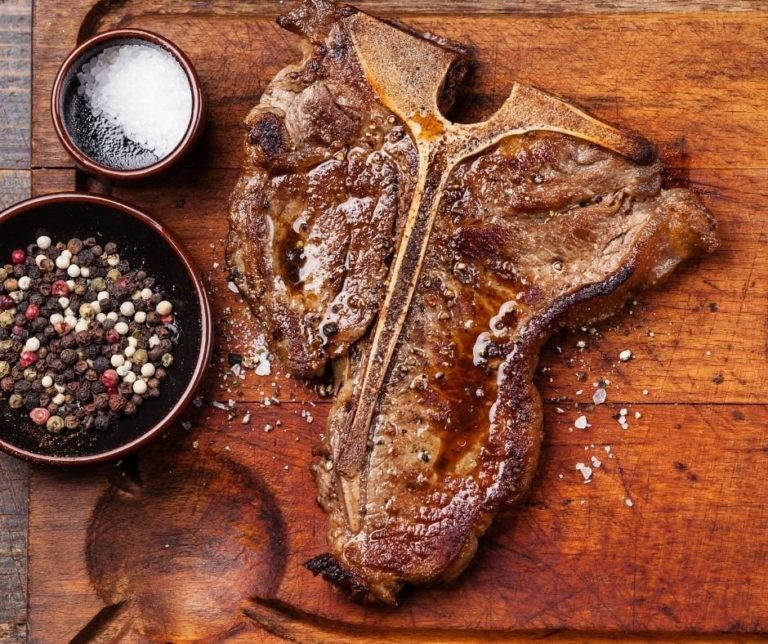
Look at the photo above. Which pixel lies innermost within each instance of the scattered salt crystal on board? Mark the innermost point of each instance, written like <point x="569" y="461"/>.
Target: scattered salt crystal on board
<point x="585" y="470"/>
<point x="581" y="423"/>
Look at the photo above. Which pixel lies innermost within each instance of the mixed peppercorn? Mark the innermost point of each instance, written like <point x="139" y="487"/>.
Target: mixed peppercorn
<point x="83" y="338"/>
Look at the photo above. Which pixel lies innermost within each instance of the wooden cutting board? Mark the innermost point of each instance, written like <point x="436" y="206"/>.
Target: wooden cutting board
<point x="202" y="536"/>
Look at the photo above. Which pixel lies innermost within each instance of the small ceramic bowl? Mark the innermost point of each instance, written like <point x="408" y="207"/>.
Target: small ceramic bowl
<point x="145" y="243"/>
<point x="83" y="134"/>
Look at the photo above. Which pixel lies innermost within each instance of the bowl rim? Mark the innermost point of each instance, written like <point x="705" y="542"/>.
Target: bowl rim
<point x="191" y="136"/>
<point x="206" y="340"/>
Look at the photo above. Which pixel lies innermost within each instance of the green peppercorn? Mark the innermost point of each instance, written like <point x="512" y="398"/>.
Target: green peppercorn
<point x="167" y="360"/>
<point x="140" y="357"/>
<point x="5" y="369"/>
<point x="114" y="275"/>
<point x="15" y="401"/>
<point x="30" y="373"/>
<point x="55" y="424"/>
<point x="3" y="273"/>
<point x="86" y="311"/>
<point x="6" y="318"/>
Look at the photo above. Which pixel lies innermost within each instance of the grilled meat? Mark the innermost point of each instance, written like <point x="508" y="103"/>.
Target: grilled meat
<point x="429" y="261"/>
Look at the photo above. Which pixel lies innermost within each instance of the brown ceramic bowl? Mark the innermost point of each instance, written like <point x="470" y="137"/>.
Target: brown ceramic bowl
<point x="75" y="125"/>
<point x="144" y="243"/>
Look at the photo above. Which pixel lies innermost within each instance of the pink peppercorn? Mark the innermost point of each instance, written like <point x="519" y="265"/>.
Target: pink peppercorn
<point x="6" y="303"/>
<point x="166" y="319"/>
<point x="110" y="378"/>
<point x="28" y="358"/>
<point x="59" y="288"/>
<point x="39" y="415"/>
<point x="32" y="312"/>
<point x="112" y="336"/>
<point x="18" y="256"/>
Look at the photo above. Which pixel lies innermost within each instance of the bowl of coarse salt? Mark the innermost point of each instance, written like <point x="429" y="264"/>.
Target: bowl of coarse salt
<point x="127" y="104"/>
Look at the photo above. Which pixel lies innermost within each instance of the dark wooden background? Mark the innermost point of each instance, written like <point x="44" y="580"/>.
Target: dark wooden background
<point x="15" y="64"/>
<point x="675" y="510"/>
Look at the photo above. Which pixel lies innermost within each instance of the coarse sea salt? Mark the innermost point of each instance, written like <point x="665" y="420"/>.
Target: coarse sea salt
<point x="142" y="90"/>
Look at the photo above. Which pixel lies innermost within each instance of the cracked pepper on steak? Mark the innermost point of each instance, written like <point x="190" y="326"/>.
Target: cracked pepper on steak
<point x="426" y="262"/>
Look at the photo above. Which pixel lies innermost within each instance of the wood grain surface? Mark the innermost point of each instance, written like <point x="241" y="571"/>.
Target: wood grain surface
<point x="667" y="537"/>
<point x="15" y="63"/>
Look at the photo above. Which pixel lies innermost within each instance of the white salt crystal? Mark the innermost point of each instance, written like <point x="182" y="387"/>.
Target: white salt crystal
<point x="144" y="91"/>
<point x="264" y="368"/>
<point x="585" y="470"/>
<point x="581" y="423"/>
<point x="599" y="396"/>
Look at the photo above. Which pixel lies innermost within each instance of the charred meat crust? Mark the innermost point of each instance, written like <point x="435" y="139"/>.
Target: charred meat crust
<point x="334" y="573"/>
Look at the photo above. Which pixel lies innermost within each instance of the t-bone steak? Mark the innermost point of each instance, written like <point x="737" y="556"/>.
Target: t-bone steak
<point x="427" y="262"/>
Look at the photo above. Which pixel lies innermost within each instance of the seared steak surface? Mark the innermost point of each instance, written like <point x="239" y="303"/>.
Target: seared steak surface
<point x="428" y="262"/>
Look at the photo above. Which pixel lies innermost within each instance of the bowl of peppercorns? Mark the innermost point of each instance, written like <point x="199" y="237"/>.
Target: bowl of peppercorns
<point x="105" y="329"/>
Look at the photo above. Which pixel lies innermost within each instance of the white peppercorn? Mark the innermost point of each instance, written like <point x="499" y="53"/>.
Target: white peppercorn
<point x="164" y="308"/>
<point x="127" y="309"/>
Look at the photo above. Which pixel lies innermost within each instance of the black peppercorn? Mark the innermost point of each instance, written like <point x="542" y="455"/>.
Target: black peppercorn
<point x="7" y="385"/>
<point x="67" y="342"/>
<point x="85" y="258"/>
<point x="31" y="401"/>
<point x="101" y="423"/>
<point x="74" y="246"/>
<point x="83" y="338"/>
<point x="117" y="403"/>
<point x="101" y="401"/>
